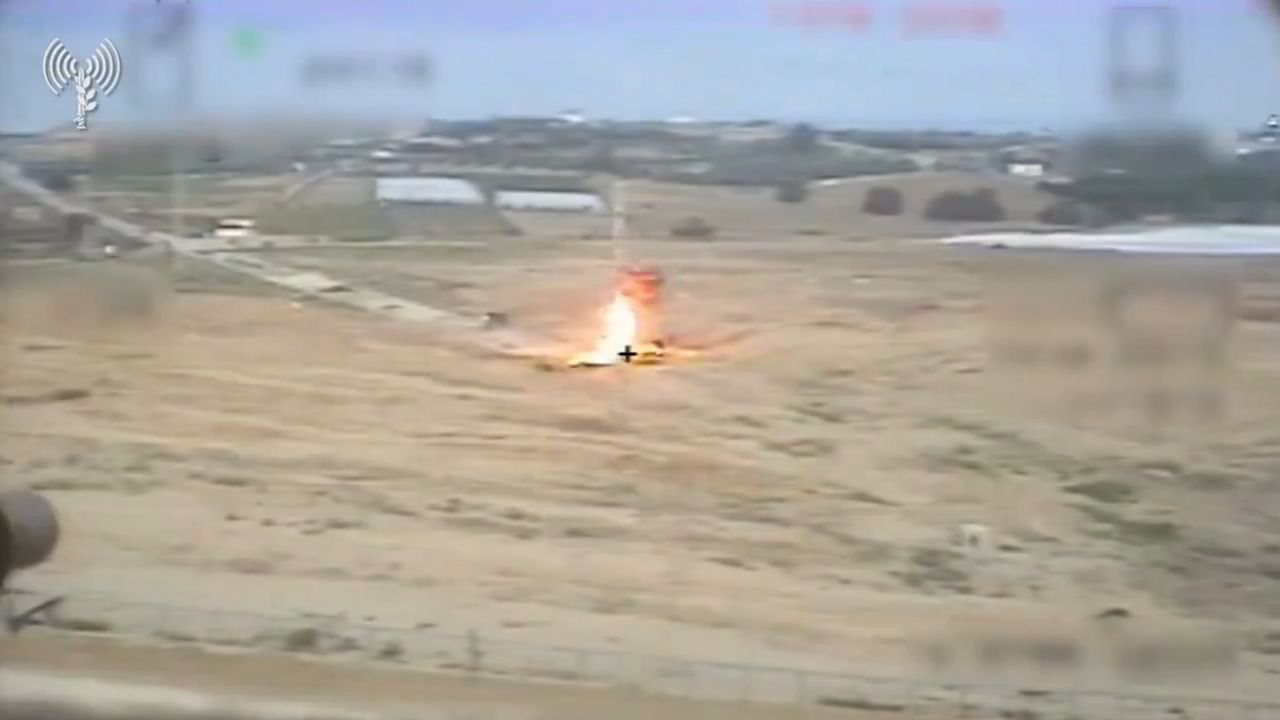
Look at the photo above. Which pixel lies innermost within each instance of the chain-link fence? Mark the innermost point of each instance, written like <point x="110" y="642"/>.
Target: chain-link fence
<point x="481" y="654"/>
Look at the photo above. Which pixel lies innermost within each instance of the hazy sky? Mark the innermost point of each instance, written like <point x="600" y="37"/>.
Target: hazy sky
<point x="723" y="59"/>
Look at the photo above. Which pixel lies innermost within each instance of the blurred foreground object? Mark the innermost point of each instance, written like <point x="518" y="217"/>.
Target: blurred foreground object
<point x="1273" y="7"/>
<point x="160" y="39"/>
<point x="28" y="531"/>
<point x="1137" y="84"/>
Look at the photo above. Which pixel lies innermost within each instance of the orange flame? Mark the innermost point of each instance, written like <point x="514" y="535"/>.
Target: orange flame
<point x="620" y="328"/>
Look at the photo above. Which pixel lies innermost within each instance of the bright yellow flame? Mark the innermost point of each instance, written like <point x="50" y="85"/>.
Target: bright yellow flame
<point x="620" y="327"/>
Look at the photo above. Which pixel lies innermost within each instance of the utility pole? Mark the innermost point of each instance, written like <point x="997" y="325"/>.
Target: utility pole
<point x="160" y="36"/>
<point x="186" y="94"/>
<point x="178" y="188"/>
<point x="618" y="228"/>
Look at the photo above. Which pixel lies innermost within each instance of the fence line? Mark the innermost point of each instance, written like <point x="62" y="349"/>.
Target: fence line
<point x="474" y="653"/>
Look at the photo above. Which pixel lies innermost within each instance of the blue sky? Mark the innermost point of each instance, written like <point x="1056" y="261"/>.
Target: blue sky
<point x="721" y="59"/>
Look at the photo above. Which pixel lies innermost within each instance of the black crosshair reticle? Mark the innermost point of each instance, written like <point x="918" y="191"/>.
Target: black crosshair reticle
<point x="627" y="353"/>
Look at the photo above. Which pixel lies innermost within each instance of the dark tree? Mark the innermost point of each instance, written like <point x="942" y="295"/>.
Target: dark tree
<point x="74" y="226"/>
<point x="803" y="138"/>
<point x="882" y="200"/>
<point x="602" y="159"/>
<point x="792" y="191"/>
<point x="54" y="179"/>
<point x="693" y="227"/>
<point x="976" y="206"/>
<point x="1062" y="213"/>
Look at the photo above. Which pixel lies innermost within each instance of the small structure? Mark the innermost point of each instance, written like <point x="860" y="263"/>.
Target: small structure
<point x="1029" y="169"/>
<point x="572" y="117"/>
<point x="1260" y="157"/>
<point x="235" y="228"/>
<point x="491" y="320"/>
<point x="431" y="143"/>
<point x="972" y="537"/>
<point x="27" y="213"/>
<point x="1025" y="162"/>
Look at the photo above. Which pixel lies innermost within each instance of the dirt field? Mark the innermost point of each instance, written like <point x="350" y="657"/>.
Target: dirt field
<point x="789" y="498"/>
<point x="830" y="211"/>
<point x="153" y="683"/>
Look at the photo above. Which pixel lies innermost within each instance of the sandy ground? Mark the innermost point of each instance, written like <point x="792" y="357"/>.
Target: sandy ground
<point x="787" y="499"/>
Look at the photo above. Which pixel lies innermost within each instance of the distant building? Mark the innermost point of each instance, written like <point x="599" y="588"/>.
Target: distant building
<point x="925" y="161"/>
<point x="1261" y="158"/>
<point x="235" y="228"/>
<point x="28" y="213"/>
<point x="964" y="162"/>
<point x="432" y="143"/>
<point x="1026" y="169"/>
<point x="548" y="200"/>
<point x="572" y="117"/>
<point x="1025" y="162"/>
<point x="395" y="167"/>
<point x="429" y="190"/>
<point x="526" y="124"/>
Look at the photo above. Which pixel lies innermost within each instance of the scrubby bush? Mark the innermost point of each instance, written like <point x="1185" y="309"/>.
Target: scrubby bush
<point x="305" y="639"/>
<point x="803" y="138"/>
<point x="1062" y="213"/>
<point x="693" y="227"/>
<point x="882" y="200"/>
<point x="792" y="191"/>
<point x="976" y="206"/>
<point x="56" y="180"/>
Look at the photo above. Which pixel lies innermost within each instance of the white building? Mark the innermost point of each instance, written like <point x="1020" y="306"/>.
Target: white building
<point x="1025" y="169"/>
<point x="549" y="201"/>
<point x="1025" y="162"/>
<point x="235" y="228"/>
<point x="572" y="117"/>
<point x="433" y="190"/>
